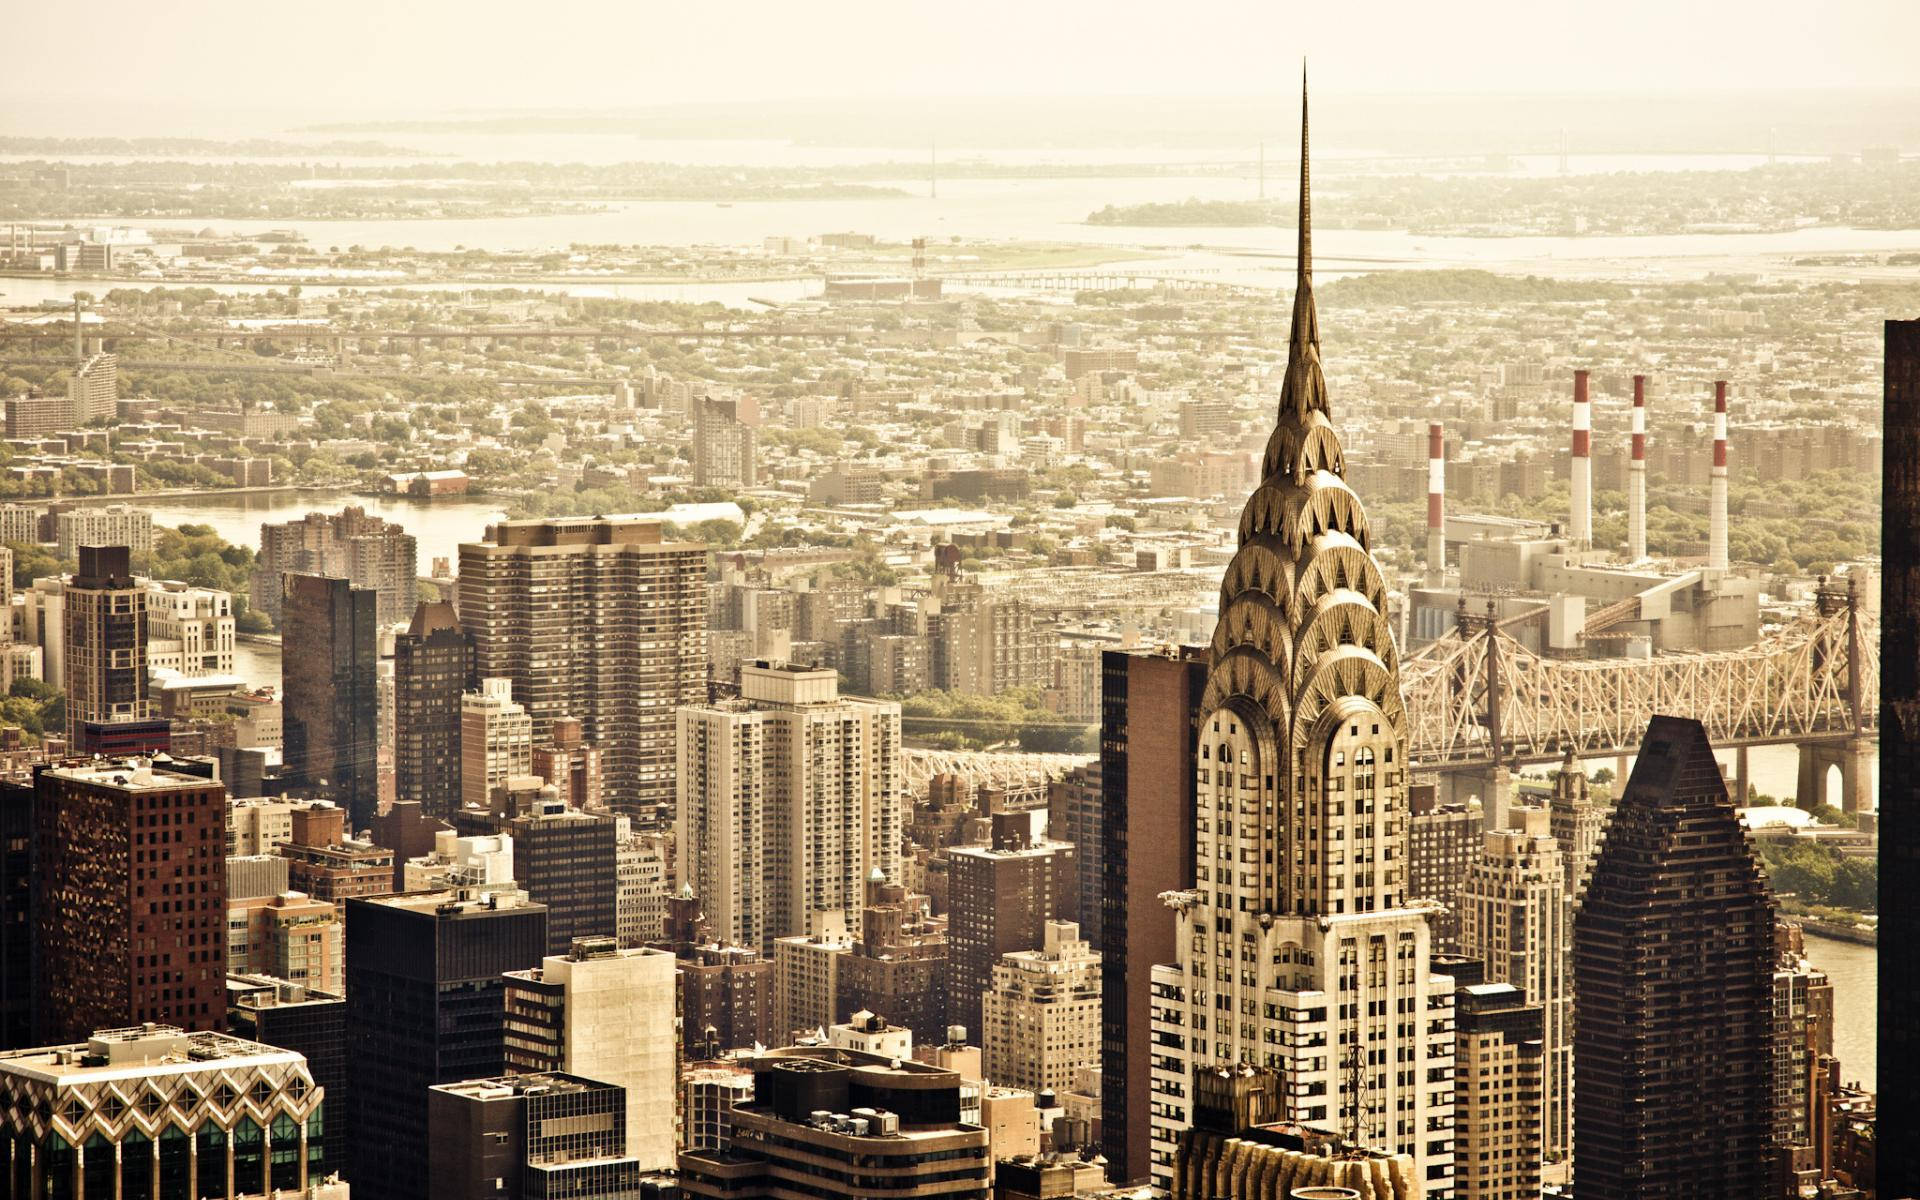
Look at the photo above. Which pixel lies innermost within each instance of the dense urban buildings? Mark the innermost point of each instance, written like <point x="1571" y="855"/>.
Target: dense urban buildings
<point x="1673" y="969"/>
<point x="529" y="1137"/>
<point x="1040" y="1021"/>
<point x="312" y="1024"/>
<point x="129" y="899"/>
<point x="496" y="742"/>
<point x="1899" y="811"/>
<point x="430" y="661"/>
<point x="329" y="673"/>
<point x="602" y="619"/>
<point x="426" y="985"/>
<point x="565" y="859"/>
<point x="1000" y="897"/>
<point x="789" y="802"/>
<point x="1297" y="921"/>
<point x="1497" y="1064"/>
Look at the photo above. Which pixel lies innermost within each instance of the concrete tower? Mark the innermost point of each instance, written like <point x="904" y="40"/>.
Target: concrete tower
<point x="1637" y="475"/>
<point x="1298" y="951"/>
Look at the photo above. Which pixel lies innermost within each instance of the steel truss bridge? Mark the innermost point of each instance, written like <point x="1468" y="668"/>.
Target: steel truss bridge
<point x="1478" y="698"/>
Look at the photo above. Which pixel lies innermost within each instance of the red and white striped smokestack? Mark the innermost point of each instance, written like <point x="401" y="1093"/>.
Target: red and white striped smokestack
<point x="1637" y="475"/>
<point x="1717" y="483"/>
<point x="1436" y="505"/>
<point x="1581" y="527"/>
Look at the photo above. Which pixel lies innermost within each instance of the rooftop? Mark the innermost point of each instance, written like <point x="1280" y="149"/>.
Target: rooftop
<point x="131" y="774"/>
<point x="135" y="1052"/>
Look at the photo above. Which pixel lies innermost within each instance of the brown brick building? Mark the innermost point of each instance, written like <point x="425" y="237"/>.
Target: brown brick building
<point x="1000" y="897"/>
<point x="130" y="897"/>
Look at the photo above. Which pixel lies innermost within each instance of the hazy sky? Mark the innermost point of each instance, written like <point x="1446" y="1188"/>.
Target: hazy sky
<point x="355" y="58"/>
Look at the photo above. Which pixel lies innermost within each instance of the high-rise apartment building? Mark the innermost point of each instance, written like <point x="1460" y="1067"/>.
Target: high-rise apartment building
<point x="329" y="663"/>
<point x="1000" y="897"/>
<point x="496" y="741"/>
<point x="153" y="1110"/>
<point x="287" y="935"/>
<point x="1300" y="951"/>
<point x="1076" y="808"/>
<point x="104" y="640"/>
<point x="1150" y="709"/>
<point x="129" y="898"/>
<point x="723" y="445"/>
<point x="598" y="618"/>
<point x="17" y="929"/>
<point x="607" y="1014"/>
<point x="789" y="803"/>
<point x="1673" y="956"/>
<point x="1898" y="1026"/>
<point x="1498" y="1104"/>
<point x="726" y="999"/>
<point x="1515" y="918"/>
<point x="189" y="629"/>
<point x="1577" y="821"/>
<point x="806" y="981"/>
<point x="430" y="663"/>
<point x="94" y="390"/>
<point x="1802" y="1037"/>
<point x="426" y="988"/>
<point x="365" y="550"/>
<point x="1040" y="1023"/>
<point x="326" y="862"/>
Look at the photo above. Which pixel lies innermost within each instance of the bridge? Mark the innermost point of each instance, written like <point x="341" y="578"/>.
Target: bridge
<point x="339" y="337"/>
<point x="1479" y="702"/>
<point x="1001" y="770"/>
<point x="1102" y="280"/>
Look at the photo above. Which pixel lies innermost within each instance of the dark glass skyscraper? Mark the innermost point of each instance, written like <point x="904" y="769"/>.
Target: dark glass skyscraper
<point x="1673" y="965"/>
<point x="328" y="668"/>
<point x="426" y="997"/>
<point x="1899" y="1157"/>
<point x="430" y="666"/>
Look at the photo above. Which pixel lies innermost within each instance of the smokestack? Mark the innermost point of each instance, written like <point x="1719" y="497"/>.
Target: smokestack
<point x="1581" y="526"/>
<point x="1717" y="497"/>
<point x="1637" y="475"/>
<point x="1436" y="506"/>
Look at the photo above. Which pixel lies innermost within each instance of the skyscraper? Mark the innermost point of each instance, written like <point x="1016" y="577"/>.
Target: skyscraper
<point x="105" y="647"/>
<point x="566" y="859"/>
<point x="1673" y="967"/>
<point x="598" y="618"/>
<point x="129" y="899"/>
<point x="1514" y="918"/>
<point x="1576" y="822"/>
<point x="430" y="662"/>
<point x="496" y="741"/>
<point x="1500" y="1099"/>
<point x="722" y="445"/>
<point x="1899" y="813"/>
<point x="328" y="679"/>
<point x="789" y="802"/>
<point x="425" y="997"/>
<point x="1149" y="714"/>
<point x="1298" y="952"/>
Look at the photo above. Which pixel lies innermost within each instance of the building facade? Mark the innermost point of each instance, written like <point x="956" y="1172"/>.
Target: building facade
<point x="129" y="899"/>
<point x="189" y="629"/>
<point x="1000" y="897"/>
<point x="104" y="645"/>
<point x="154" y="1110"/>
<point x="496" y="741"/>
<point x="1498" y="1063"/>
<point x="366" y="551"/>
<point x="600" y="619"/>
